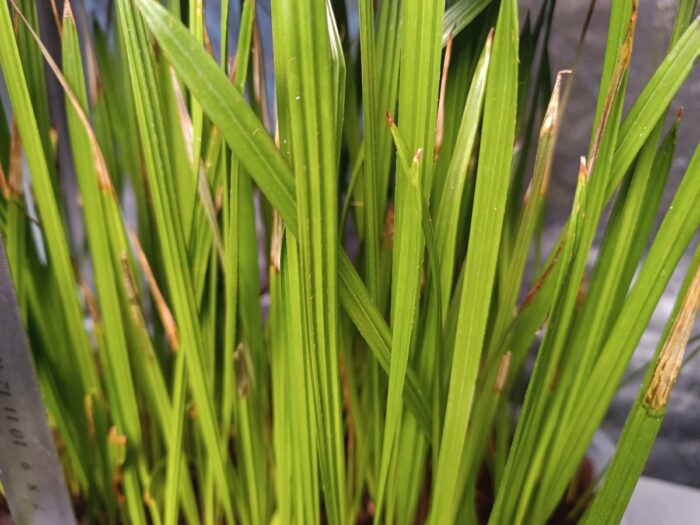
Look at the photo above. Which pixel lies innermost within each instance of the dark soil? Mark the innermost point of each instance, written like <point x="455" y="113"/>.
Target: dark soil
<point x="563" y="515"/>
<point x="484" y="504"/>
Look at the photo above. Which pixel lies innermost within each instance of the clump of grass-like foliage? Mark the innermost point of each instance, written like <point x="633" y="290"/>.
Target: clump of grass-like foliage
<point x="373" y="387"/>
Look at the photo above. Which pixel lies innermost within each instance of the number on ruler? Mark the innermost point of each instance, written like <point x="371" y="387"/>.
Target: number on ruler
<point x="11" y="414"/>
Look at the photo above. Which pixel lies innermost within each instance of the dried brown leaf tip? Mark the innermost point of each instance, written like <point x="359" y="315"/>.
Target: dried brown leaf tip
<point x="389" y="120"/>
<point x="440" y="127"/>
<point x="11" y="184"/>
<point x="418" y="156"/>
<point x="129" y="281"/>
<point x="219" y="199"/>
<point x="243" y="367"/>
<point x="233" y="69"/>
<point x="389" y="225"/>
<point x="550" y="125"/>
<point x="259" y="84"/>
<point x="207" y="42"/>
<point x="552" y="115"/>
<point x="67" y="10"/>
<point x="276" y="242"/>
<point x="623" y="61"/>
<point x="91" y="304"/>
<point x="502" y="374"/>
<point x="545" y="274"/>
<point x="100" y="163"/>
<point x="115" y="438"/>
<point x="67" y="13"/>
<point x="166" y="316"/>
<point x="671" y="357"/>
<point x="554" y="381"/>
<point x="4" y="186"/>
<point x="148" y="499"/>
<point x="583" y="170"/>
<point x="679" y="116"/>
<point x="117" y="451"/>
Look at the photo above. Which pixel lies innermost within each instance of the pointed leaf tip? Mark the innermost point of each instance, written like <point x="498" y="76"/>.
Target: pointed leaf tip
<point x="679" y="116"/>
<point x="489" y="38"/>
<point x="552" y="115"/>
<point x="583" y="168"/>
<point x="671" y="358"/>
<point x="418" y="155"/>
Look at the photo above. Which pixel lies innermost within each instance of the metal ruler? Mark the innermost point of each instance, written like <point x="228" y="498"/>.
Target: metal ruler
<point x="29" y="469"/>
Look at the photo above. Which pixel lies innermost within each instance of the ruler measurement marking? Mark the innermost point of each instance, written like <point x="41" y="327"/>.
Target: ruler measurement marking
<point x="29" y="466"/>
<point x="18" y="439"/>
<point x="10" y="414"/>
<point x="16" y="433"/>
<point x="5" y="389"/>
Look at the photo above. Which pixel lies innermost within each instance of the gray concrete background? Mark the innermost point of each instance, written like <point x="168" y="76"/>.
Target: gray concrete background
<point x="676" y="454"/>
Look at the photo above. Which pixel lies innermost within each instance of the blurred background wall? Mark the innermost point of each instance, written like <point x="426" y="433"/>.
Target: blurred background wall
<point x="676" y="453"/>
